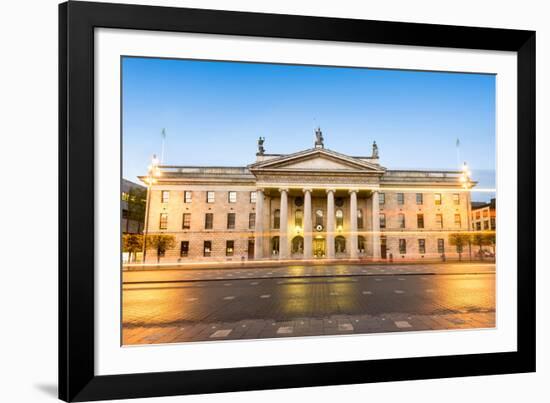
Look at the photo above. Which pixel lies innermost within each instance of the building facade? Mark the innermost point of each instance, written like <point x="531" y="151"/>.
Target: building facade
<point x="132" y="207"/>
<point x="484" y="216"/>
<point x="312" y="204"/>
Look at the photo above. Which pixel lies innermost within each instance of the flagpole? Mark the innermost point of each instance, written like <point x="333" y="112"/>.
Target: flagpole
<point x="458" y="152"/>
<point x="163" y="134"/>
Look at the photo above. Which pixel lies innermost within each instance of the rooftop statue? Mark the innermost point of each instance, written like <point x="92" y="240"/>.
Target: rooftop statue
<point x="374" y="150"/>
<point x="319" y="140"/>
<point x="261" y="149"/>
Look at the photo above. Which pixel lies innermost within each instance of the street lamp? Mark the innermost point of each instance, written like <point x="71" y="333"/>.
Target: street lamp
<point x="466" y="184"/>
<point x="153" y="172"/>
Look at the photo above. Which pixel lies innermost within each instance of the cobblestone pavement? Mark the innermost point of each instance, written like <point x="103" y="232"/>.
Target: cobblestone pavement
<point x="176" y="275"/>
<point x="251" y="308"/>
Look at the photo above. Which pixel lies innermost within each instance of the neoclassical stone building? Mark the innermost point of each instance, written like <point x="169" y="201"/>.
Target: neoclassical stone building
<point x="312" y="204"/>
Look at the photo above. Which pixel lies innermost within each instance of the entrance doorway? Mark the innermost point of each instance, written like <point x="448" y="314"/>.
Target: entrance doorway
<point x="251" y="248"/>
<point x="319" y="247"/>
<point x="383" y="247"/>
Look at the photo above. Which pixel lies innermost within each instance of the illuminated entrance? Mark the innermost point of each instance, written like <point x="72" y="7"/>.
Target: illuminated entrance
<point x="319" y="247"/>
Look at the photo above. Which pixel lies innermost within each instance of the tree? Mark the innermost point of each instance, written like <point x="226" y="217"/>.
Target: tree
<point x="480" y="239"/>
<point x="132" y="243"/>
<point x="459" y="239"/>
<point x="161" y="243"/>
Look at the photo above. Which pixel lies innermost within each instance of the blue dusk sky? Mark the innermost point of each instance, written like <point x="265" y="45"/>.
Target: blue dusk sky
<point x="213" y="113"/>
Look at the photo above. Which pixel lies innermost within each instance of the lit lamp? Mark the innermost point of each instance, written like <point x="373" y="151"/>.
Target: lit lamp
<point x="465" y="177"/>
<point x="153" y="172"/>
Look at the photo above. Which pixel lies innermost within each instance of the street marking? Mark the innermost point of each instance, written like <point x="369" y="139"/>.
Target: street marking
<point x="345" y="327"/>
<point x="334" y="293"/>
<point x="221" y="333"/>
<point x="191" y="299"/>
<point x="401" y="279"/>
<point x="399" y="291"/>
<point x="219" y="278"/>
<point x="254" y="283"/>
<point x="377" y="279"/>
<point x="285" y="330"/>
<point x="402" y="324"/>
<point x="229" y="297"/>
<point x="265" y="296"/>
<point x="227" y="284"/>
<point x="367" y="292"/>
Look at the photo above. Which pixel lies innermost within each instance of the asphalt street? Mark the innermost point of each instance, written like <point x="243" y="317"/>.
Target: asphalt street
<point x="278" y="306"/>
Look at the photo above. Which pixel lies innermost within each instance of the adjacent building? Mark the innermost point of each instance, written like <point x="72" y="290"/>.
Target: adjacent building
<point x="311" y="204"/>
<point x="132" y="207"/>
<point x="484" y="216"/>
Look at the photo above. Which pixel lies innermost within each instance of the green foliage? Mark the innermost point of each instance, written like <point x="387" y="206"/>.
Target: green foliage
<point x="161" y="243"/>
<point x="132" y="243"/>
<point x="459" y="239"/>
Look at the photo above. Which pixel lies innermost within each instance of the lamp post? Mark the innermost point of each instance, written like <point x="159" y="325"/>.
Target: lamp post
<point x="152" y="173"/>
<point x="466" y="184"/>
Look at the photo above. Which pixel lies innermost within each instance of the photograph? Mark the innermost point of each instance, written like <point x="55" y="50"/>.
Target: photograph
<point x="270" y="200"/>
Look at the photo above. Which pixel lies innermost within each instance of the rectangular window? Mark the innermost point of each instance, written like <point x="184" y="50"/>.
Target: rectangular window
<point x="456" y="199"/>
<point x="381" y="198"/>
<point x="251" y="220"/>
<point x="485" y="213"/>
<point x="208" y="221"/>
<point x="457" y="220"/>
<point x="230" y="220"/>
<point x="420" y="220"/>
<point x="165" y="196"/>
<point x="441" y="246"/>
<point x="400" y="198"/>
<point x="485" y="225"/>
<point x="210" y="196"/>
<point x="253" y="197"/>
<point x="402" y="246"/>
<point x="232" y="197"/>
<point x="478" y="216"/>
<point x="493" y="223"/>
<point x="229" y="248"/>
<point x="401" y="218"/>
<point x="184" y="248"/>
<point x="186" y="223"/>
<point x="125" y="196"/>
<point x="207" y="250"/>
<point x="163" y="224"/>
<point x="422" y="246"/>
<point x="419" y="198"/>
<point x="437" y="198"/>
<point x="382" y="220"/>
<point x="124" y="213"/>
<point x="187" y="196"/>
<point x="439" y="220"/>
<point x="478" y="226"/>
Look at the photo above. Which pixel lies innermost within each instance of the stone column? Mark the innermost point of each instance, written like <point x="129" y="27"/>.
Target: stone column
<point x="330" y="224"/>
<point x="259" y="227"/>
<point x="375" y="225"/>
<point x="308" y="227"/>
<point x="353" y="252"/>
<point x="283" y="235"/>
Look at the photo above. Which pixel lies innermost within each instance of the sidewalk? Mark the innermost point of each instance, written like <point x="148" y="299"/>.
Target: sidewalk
<point x="341" y="270"/>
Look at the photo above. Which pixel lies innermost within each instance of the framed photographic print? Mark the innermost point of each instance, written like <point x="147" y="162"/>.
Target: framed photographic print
<point x="259" y="201"/>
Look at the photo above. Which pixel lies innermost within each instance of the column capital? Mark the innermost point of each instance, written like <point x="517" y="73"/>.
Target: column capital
<point x="283" y="190"/>
<point x="260" y="190"/>
<point x="330" y="190"/>
<point x="307" y="190"/>
<point x="350" y="191"/>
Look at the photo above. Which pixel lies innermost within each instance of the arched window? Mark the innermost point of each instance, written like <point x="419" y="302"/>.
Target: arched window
<point x="340" y="244"/>
<point x="319" y="217"/>
<point x="298" y="218"/>
<point x="361" y="243"/>
<point x="275" y="245"/>
<point x="298" y="244"/>
<point x="277" y="219"/>
<point x="339" y="218"/>
<point x="360" y="219"/>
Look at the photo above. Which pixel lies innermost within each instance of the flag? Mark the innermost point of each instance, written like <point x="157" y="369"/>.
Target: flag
<point x="457" y="143"/>
<point x="163" y="134"/>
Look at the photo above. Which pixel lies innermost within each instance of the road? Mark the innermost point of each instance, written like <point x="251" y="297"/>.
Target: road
<point x="301" y="305"/>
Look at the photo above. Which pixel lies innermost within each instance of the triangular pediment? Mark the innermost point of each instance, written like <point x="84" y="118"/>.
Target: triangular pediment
<point x="317" y="159"/>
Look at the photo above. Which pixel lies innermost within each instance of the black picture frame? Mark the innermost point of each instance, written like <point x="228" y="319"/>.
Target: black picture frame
<point x="77" y="21"/>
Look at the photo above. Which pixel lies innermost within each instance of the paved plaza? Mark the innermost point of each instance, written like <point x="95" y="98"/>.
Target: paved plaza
<point x="171" y="306"/>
